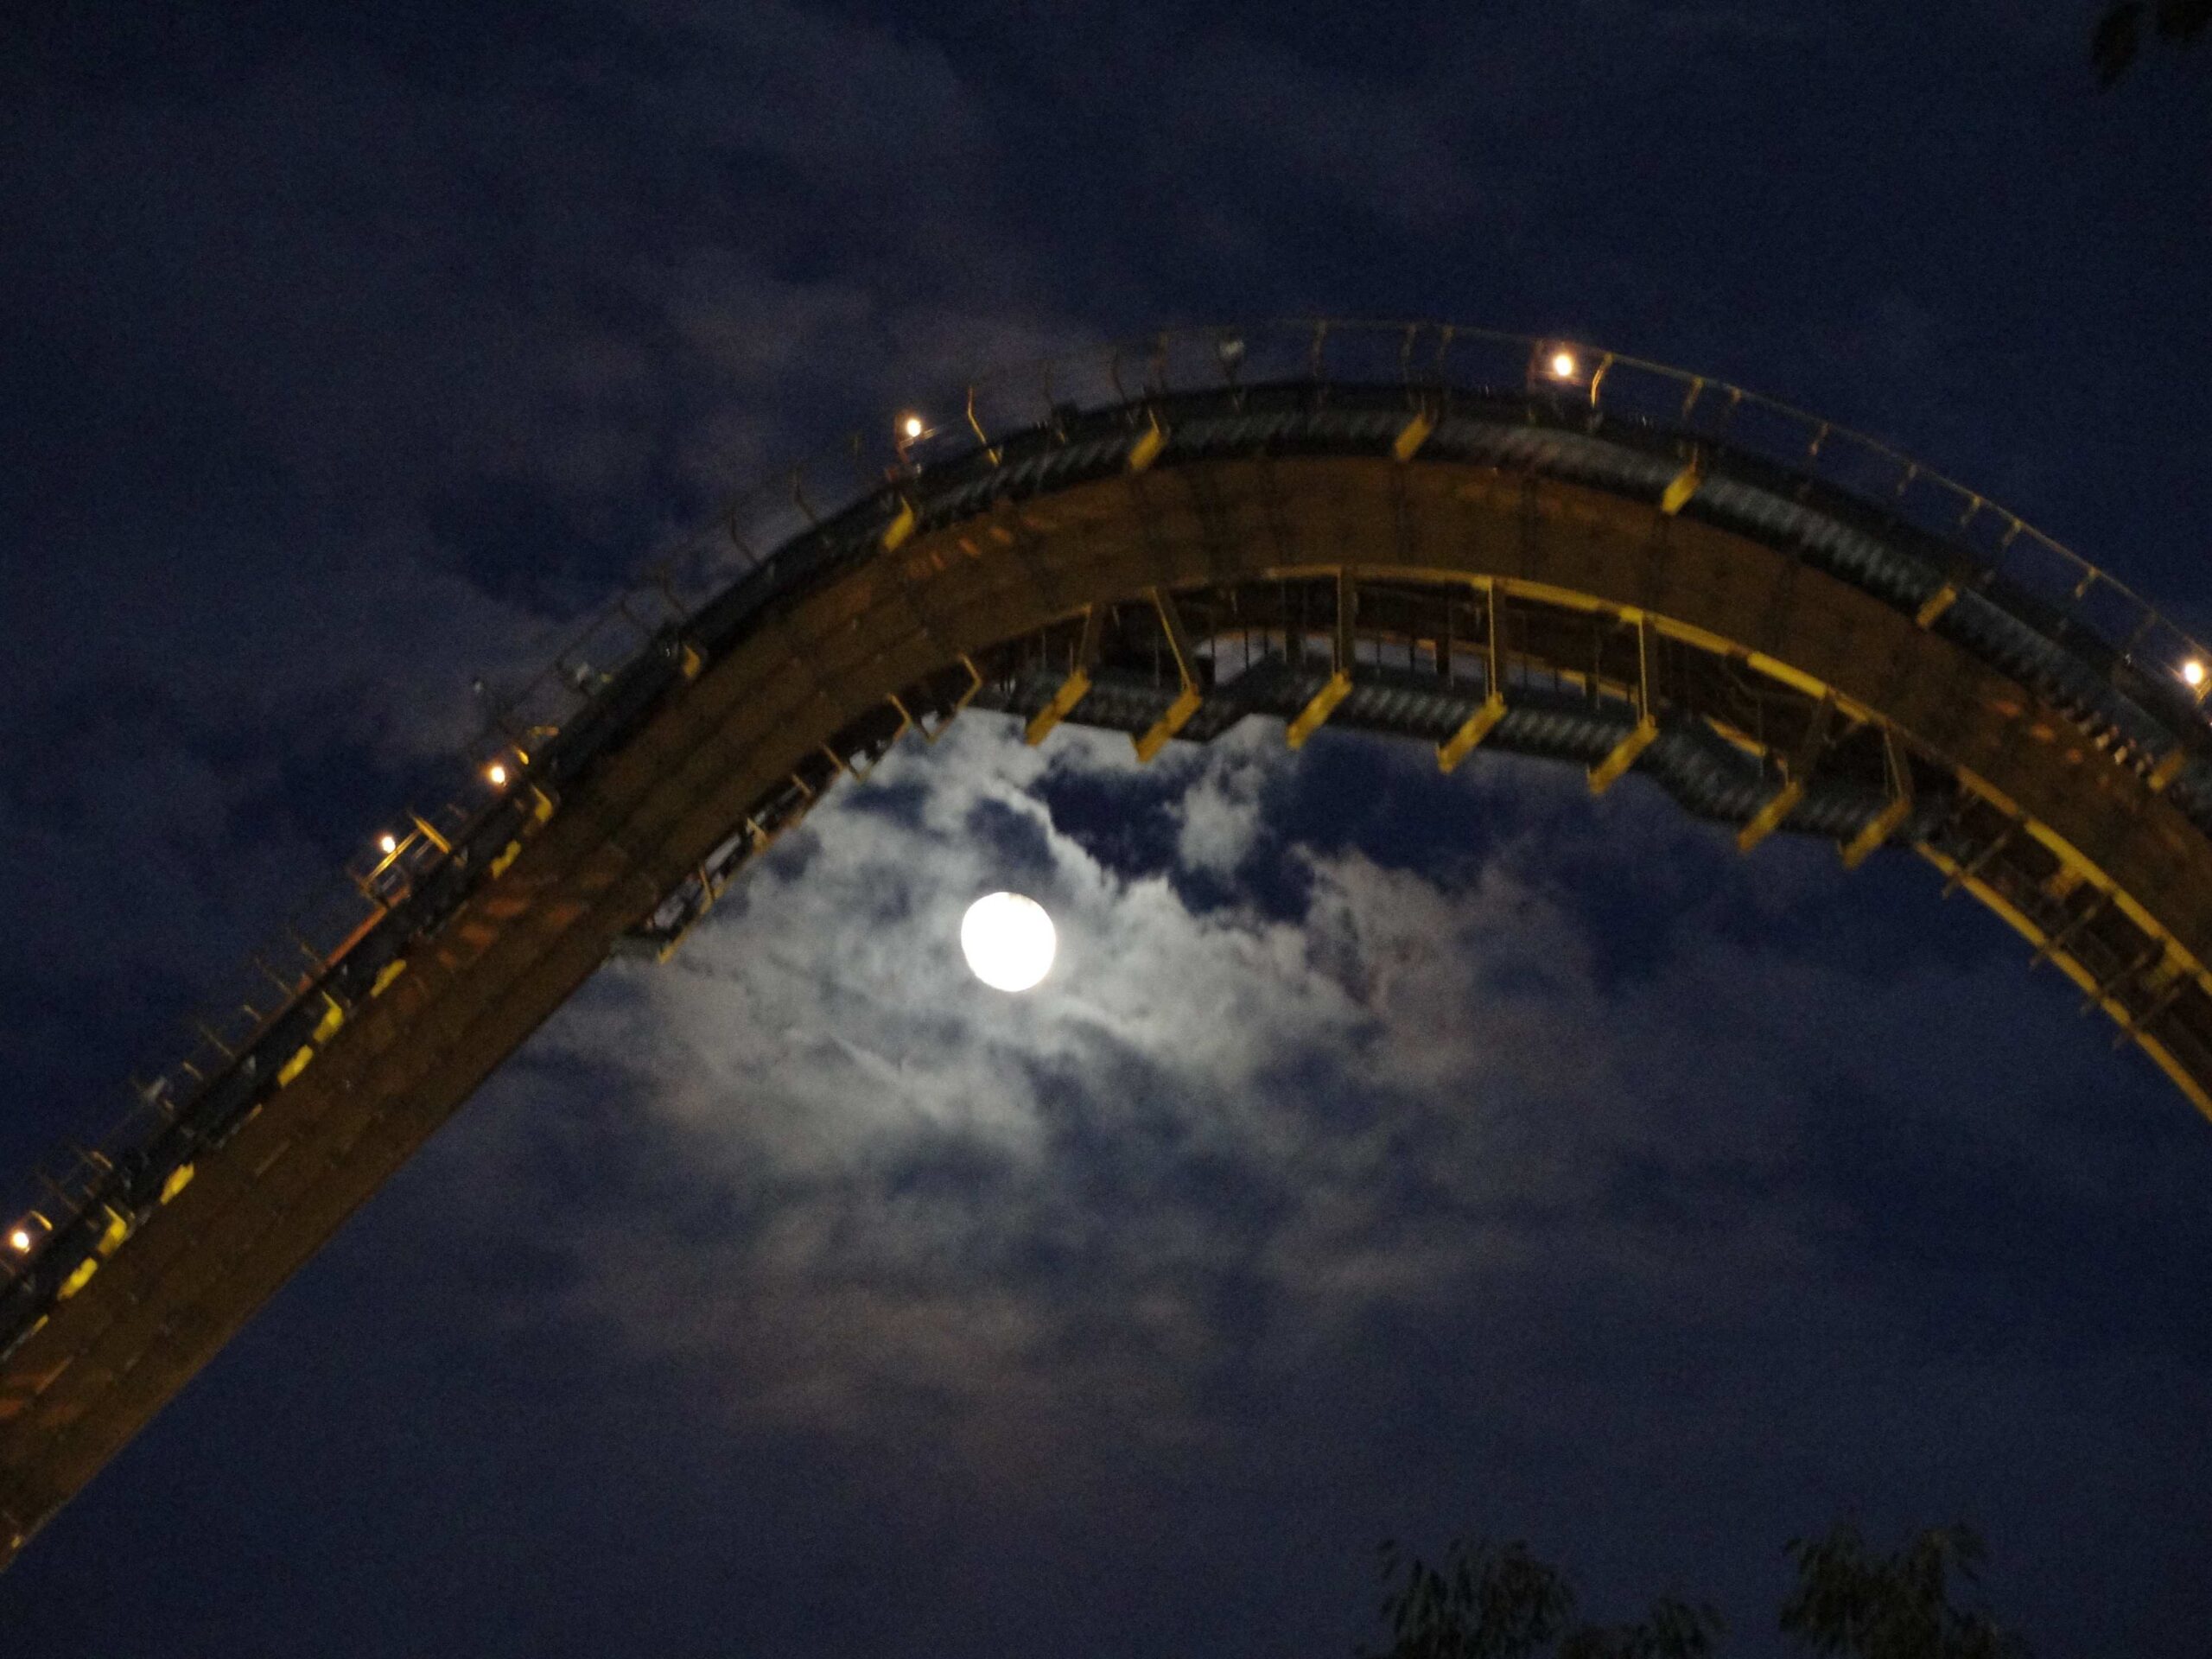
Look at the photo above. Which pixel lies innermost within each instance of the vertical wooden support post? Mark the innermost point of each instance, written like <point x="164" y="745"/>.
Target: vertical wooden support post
<point x="1890" y="819"/>
<point x="1187" y="703"/>
<point x="1072" y="689"/>
<point x="1607" y="771"/>
<point x="1479" y="725"/>
<point x="1338" y="686"/>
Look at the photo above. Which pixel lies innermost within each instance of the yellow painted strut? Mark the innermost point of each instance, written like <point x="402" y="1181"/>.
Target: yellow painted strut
<point x="1476" y="727"/>
<point x="1769" y="817"/>
<point x="1147" y="449"/>
<point x="1608" y="772"/>
<point x="1678" y="494"/>
<point x="1411" y="436"/>
<point x="1935" y="604"/>
<point x="1339" y="687"/>
<point x="1890" y="819"/>
<point x="1479" y="725"/>
<point x="1311" y="717"/>
<point x="1072" y="689"/>
<point x="1179" y="712"/>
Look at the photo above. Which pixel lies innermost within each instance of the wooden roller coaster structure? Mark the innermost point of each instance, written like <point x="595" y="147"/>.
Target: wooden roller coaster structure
<point x="1468" y="539"/>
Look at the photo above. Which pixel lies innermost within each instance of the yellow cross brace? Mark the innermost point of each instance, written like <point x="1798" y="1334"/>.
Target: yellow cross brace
<point x="1769" y="817"/>
<point x="1607" y="771"/>
<point x="1878" y="829"/>
<point x="930" y="733"/>
<point x="1177" y="717"/>
<point x="1071" y="692"/>
<point x="1461" y="743"/>
<point x="1411" y="436"/>
<point x="1678" y="494"/>
<point x="1890" y="819"/>
<point x="901" y="529"/>
<point x="1179" y="712"/>
<point x="1936" y="604"/>
<point x="1072" y="689"/>
<point x="1323" y="704"/>
<point x="1325" y="701"/>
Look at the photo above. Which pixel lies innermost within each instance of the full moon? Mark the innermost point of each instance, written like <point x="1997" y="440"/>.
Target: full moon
<point x="1008" y="940"/>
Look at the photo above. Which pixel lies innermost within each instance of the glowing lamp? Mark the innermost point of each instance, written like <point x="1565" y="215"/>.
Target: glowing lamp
<point x="911" y="426"/>
<point x="2193" y="671"/>
<point x="1009" y="941"/>
<point x="20" y="1241"/>
<point x="387" y="845"/>
<point x="1563" y="365"/>
<point x="497" y="774"/>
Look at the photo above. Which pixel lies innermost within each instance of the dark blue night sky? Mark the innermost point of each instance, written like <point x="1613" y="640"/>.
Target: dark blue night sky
<point x="1389" y="1155"/>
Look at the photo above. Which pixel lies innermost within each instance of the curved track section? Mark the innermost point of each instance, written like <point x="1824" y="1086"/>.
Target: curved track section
<point x="1531" y="560"/>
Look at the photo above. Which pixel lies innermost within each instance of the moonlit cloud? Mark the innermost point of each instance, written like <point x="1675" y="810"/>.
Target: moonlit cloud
<point x="1223" y="1145"/>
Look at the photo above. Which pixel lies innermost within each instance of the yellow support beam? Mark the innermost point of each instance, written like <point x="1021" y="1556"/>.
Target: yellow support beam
<point x="930" y="733"/>
<point x="1414" y="434"/>
<point x="1177" y="717"/>
<point x="1607" y="771"/>
<point x="1678" y="494"/>
<point x="1071" y="692"/>
<point x="1879" y="828"/>
<point x="1890" y="819"/>
<point x="78" y="1279"/>
<point x="1936" y="604"/>
<point x="1186" y="704"/>
<point x="1339" y="687"/>
<point x="1178" y="643"/>
<point x="1311" y="718"/>
<point x="862" y="774"/>
<point x="1071" y="688"/>
<point x="1769" y="817"/>
<point x="1461" y="743"/>
<point x="2169" y="768"/>
<point x="901" y="529"/>
<point x="1146" y="449"/>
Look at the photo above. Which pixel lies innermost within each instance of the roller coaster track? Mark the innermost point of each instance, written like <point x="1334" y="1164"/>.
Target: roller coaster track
<point x="1469" y="539"/>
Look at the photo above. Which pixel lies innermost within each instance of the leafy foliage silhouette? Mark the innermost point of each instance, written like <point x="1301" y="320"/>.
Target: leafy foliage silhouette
<point x="1896" y="1606"/>
<point x="1497" y="1601"/>
<point x="1488" y="1600"/>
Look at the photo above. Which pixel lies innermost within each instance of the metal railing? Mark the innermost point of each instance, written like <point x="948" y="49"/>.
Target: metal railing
<point x="747" y="546"/>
